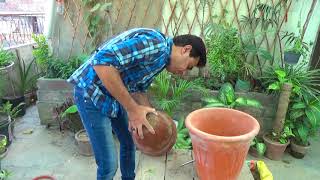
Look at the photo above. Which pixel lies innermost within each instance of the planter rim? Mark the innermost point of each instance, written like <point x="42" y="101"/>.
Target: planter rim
<point x="216" y="138"/>
<point x="274" y="142"/>
<point x="7" y="67"/>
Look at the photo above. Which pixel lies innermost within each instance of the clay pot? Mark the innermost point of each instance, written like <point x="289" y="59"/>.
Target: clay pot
<point x="298" y="151"/>
<point x="164" y="138"/>
<point x="274" y="150"/>
<point x="83" y="143"/>
<point x="221" y="139"/>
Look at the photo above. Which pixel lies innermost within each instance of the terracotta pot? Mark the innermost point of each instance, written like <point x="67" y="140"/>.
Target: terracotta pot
<point x="160" y="143"/>
<point x="45" y="177"/>
<point x="274" y="150"/>
<point x="221" y="139"/>
<point x="298" y="151"/>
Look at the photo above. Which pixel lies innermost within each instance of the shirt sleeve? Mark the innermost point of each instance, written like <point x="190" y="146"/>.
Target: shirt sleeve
<point x="130" y="52"/>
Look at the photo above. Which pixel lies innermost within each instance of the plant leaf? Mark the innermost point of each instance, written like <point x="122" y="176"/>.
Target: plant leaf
<point x="96" y="7"/>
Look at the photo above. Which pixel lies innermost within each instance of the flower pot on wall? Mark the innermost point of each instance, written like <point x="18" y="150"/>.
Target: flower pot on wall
<point x="275" y="150"/>
<point x="291" y="57"/>
<point x="298" y="151"/>
<point x="221" y="139"/>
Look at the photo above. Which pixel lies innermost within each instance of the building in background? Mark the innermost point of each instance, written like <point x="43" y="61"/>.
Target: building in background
<point x="19" y="19"/>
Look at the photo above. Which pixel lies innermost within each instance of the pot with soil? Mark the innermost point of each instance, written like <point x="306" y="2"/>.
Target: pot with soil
<point x="3" y="146"/>
<point x="298" y="151"/>
<point x="160" y="143"/>
<point x="83" y="143"/>
<point x="275" y="149"/>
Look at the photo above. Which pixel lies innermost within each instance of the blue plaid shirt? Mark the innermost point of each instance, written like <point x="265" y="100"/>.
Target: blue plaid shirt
<point x="138" y="54"/>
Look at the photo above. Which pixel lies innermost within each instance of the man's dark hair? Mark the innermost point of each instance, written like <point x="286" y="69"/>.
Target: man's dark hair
<point x="198" y="47"/>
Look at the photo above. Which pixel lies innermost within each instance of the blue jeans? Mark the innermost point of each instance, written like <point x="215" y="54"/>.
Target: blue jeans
<point x="99" y="129"/>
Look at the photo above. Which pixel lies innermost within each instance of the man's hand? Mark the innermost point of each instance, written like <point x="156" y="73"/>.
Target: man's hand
<point x="137" y="119"/>
<point x="111" y="79"/>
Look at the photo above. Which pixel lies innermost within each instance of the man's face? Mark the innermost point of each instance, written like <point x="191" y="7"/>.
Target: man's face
<point x="181" y="61"/>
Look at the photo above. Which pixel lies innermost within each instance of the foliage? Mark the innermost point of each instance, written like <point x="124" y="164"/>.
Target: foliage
<point x="304" y="81"/>
<point x="169" y="91"/>
<point x="3" y="143"/>
<point x="225" y="52"/>
<point x="259" y="145"/>
<point x="26" y="80"/>
<point x="304" y="115"/>
<point x="284" y="136"/>
<point x="227" y="98"/>
<point x="4" y="174"/>
<point x="64" y="113"/>
<point x="10" y="111"/>
<point x="297" y="44"/>
<point x="64" y="69"/>
<point x="41" y="52"/>
<point x="93" y="17"/>
<point x="183" y="139"/>
<point x="6" y="57"/>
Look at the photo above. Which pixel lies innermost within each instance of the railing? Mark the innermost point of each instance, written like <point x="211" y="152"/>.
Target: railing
<point x="17" y="28"/>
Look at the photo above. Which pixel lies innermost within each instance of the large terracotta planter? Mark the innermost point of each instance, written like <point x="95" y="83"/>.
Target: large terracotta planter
<point x="164" y="138"/>
<point x="221" y="139"/>
<point x="274" y="150"/>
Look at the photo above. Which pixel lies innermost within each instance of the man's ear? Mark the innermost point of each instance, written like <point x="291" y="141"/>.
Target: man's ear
<point x="187" y="48"/>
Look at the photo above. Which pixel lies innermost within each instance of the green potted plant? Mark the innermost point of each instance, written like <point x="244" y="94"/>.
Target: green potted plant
<point x="26" y="80"/>
<point x="7" y="121"/>
<point x="297" y="47"/>
<point x="257" y="147"/>
<point x="183" y="139"/>
<point x="225" y="52"/>
<point x="4" y="174"/>
<point x="289" y="81"/>
<point x="6" y="59"/>
<point x="304" y="114"/>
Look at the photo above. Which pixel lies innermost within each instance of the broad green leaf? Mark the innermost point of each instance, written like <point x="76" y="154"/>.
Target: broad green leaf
<point x="215" y="105"/>
<point x="299" y="105"/>
<point x="280" y="73"/>
<point x="180" y="124"/>
<point x="261" y="148"/>
<point x="296" y="114"/>
<point x="96" y="7"/>
<point x="274" y="86"/>
<point x="72" y="109"/>
<point x="241" y="101"/>
<point x="311" y="117"/>
<point x="303" y="132"/>
<point x="211" y="100"/>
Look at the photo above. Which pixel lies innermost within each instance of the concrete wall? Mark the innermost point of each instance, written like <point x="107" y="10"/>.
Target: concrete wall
<point x="265" y="116"/>
<point x="23" y="5"/>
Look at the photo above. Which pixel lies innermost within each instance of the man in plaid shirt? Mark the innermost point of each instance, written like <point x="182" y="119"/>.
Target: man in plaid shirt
<point x="110" y="90"/>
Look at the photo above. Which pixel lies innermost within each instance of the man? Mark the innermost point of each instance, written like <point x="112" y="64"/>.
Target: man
<point x="110" y="90"/>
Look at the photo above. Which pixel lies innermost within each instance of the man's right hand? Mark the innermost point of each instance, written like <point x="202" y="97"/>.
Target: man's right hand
<point x="138" y="118"/>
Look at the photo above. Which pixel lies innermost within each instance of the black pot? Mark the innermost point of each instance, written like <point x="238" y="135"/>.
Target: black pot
<point x="4" y="129"/>
<point x="291" y="57"/>
<point x="15" y="101"/>
<point x="298" y="151"/>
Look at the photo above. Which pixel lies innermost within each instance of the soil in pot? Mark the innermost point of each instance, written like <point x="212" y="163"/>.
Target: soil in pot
<point x="298" y="151"/>
<point x="275" y="150"/>
<point x="164" y="138"/>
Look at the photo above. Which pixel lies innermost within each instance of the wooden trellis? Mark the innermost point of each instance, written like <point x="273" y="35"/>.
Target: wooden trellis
<point x="173" y="17"/>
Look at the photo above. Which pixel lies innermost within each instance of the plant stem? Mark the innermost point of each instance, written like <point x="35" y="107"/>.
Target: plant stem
<point x="284" y="100"/>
